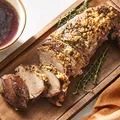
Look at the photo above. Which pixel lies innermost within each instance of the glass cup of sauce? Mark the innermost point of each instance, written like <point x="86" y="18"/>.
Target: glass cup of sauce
<point x="12" y="21"/>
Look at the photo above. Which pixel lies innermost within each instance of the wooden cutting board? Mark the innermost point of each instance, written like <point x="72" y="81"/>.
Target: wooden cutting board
<point x="42" y="109"/>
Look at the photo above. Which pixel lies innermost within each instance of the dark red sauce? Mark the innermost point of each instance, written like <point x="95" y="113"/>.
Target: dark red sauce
<point x="8" y="22"/>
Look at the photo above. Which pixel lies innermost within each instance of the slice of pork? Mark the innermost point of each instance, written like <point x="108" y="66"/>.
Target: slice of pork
<point x="15" y="91"/>
<point x="54" y="84"/>
<point x="61" y="55"/>
<point x="49" y="57"/>
<point x="53" y="81"/>
<point x="63" y="84"/>
<point x="34" y="82"/>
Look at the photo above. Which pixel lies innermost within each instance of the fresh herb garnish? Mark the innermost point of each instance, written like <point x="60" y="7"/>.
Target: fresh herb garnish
<point x="92" y="73"/>
<point x="73" y="13"/>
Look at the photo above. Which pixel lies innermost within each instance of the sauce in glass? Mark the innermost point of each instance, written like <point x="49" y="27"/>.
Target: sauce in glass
<point x="8" y="22"/>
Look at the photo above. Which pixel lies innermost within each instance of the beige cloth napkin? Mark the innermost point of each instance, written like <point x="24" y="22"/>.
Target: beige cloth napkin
<point x="107" y="106"/>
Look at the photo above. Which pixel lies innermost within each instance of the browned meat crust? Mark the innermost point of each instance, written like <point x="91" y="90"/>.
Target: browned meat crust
<point x="88" y="30"/>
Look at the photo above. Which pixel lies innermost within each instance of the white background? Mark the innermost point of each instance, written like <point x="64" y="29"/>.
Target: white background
<point x="39" y="14"/>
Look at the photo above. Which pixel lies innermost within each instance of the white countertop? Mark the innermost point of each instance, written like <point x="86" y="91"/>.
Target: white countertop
<point x="39" y="14"/>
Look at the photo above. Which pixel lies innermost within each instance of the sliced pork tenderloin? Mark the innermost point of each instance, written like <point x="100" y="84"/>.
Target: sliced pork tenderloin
<point x="61" y="55"/>
<point x="59" y="81"/>
<point x="59" y="98"/>
<point x="33" y="80"/>
<point x="49" y="57"/>
<point x="15" y="91"/>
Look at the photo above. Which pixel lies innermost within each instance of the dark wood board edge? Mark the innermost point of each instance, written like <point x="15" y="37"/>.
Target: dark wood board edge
<point x="41" y="33"/>
<point x="90" y="96"/>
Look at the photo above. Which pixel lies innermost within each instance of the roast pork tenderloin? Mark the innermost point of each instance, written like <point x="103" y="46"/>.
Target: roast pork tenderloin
<point x="64" y="54"/>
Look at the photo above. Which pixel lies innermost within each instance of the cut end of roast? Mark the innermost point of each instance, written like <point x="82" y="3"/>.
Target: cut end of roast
<point x="15" y="91"/>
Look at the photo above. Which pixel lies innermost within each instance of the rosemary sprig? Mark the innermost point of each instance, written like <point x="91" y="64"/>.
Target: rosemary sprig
<point x="99" y="65"/>
<point x="73" y="13"/>
<point x="86" y="4"/>
<point x="83" y="79"/>
<point x="92" y="73"/>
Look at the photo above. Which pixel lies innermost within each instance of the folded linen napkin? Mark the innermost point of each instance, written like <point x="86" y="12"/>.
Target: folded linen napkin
<point x="107" y="106"/>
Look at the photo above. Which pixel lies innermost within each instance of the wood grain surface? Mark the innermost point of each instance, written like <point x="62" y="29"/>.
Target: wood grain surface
<point x="115" y="3"/>
<point x="42" y="109"/>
